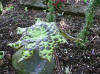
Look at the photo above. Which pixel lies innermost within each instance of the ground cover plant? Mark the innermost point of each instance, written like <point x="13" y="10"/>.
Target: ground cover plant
<point x="74" y="53"/>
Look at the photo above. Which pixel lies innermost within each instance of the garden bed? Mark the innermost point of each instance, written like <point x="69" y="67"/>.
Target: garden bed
<point x="80" y="61"/>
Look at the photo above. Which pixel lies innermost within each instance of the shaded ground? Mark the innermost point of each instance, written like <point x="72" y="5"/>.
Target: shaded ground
<point x="80" y="61"/>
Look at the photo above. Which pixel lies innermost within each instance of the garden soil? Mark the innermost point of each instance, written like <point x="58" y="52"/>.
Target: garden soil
<point x="79" y="61"/>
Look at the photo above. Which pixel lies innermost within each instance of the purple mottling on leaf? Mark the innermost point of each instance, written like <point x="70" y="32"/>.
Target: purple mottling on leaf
<point x="30" y="49"/>
<point x="93" y="52"/>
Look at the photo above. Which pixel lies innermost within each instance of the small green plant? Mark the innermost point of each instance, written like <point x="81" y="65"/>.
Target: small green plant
<point x="85" y="1"/>
<point x="1" y="7"/>
<point x="52" y="4"/>
<point x="1" y="55"/>
<point x="10" y="8"/>
<point x="59" y="3"/>
<point x="51" y="15"/>
<point x="26" y="9"/>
